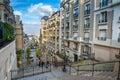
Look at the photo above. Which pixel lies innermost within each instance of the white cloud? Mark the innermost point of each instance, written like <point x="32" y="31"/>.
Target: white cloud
<point x="31" y="23"/>
<point x="17" y="13"/>
<point x="41" y="9"/>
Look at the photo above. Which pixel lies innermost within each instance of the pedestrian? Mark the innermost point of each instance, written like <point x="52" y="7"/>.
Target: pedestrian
<point x="47" y="64"/>
<point x="40" y="62"/>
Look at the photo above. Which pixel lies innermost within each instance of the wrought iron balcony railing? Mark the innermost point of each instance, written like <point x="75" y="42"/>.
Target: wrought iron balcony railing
<point x="102" y="38"/>
<point x="87" y="26"/>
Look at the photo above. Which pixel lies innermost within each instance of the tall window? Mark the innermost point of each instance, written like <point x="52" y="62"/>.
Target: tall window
<point x="87" y="9"/>
<point x="87" y="23"/>
<point x="102" y="35"/>
<point x="76" y="12"/>
<point x="104" y="3"/>
<point x="103" y="17"/>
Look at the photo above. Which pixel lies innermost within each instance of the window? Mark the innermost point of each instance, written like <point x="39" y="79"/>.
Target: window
<point x="102" y="35"/>
<point x="87" y="23"/>
<point x="104" y="3"/>
<point x="87" y="9"/>
<point x="76" y="12"/>
<point x="86" y="37"/>
<point x="103" y="17"/>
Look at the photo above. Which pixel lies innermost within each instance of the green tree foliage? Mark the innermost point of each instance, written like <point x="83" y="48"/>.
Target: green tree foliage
<point x="28" y="53"/>
<point x="19" y="54"/>
<point x="38" y="52"/>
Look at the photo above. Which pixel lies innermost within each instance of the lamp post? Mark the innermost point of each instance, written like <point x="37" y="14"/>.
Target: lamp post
<point x="65" y="60"/>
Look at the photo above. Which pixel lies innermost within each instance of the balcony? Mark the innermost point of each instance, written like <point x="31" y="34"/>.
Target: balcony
<point x="75" y="27"/>
<point x="86" y="39"/>
<point x="85" y="53"/>
<point x="102" y="38"/>
<point x="86" y="1"/>
<point x="67" y="37"/>
<point x="75" y="49"/>
<point x="67" y="28"/>
<point x="103" y="21"/>
<point x="67" y="18"/>
<point x="75" y="38"/>
<point x="87" y="26"/>
<point x="6" y="34"/>
<point x="87" y="12"/>
<point x="76" y="4"/>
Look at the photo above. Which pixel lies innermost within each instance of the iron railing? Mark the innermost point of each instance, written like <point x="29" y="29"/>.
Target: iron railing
<point x="94" y="67"/>
<point x="29" y="71"/>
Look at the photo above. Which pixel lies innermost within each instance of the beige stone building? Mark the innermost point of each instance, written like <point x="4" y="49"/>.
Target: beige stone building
<point x="90" y="29"/>
<point x="77" y="26"/>
<point x="43" y="34"/>
<point x="50" y="32"/>
<point x="19" y="33"/>
<point x="106" y="29"/>
<point x="7" y="40"/>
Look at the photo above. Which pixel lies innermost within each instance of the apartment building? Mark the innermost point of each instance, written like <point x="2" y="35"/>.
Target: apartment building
<point x="7" y="40"/>
<point x="90" y="29"/>
<point x="50" y="31"/>
<point x="19" y="33"/>
<point x="77" y="24"/>
<point x="106" y="29"/>
<point x="43" y="25"/>
<point x="53" y="26"/>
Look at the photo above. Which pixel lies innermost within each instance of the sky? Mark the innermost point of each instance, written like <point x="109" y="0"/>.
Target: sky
<point x="31" y="12"/>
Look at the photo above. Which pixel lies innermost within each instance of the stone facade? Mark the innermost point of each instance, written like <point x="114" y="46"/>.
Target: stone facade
<point x="7" y="61"/>
<point x="19" y="33"/>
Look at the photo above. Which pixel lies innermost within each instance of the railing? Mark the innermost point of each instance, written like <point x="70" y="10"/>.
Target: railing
<point x="75" y="38"/>
<point x="86" y="39"/>
<point x="75" y="27"/>
<point x="87" y="26"/>
<point x="87" y="12"/>
<point x="102" y="21"/>
<point x="76" y="3"/>
<point x="102" y="38"/>
<point x="95" y="67"/>
<point x="29" y="71"/>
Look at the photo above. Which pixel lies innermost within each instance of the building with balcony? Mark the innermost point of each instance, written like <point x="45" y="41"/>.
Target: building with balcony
<point x="19" y="33"/>
<point x="77" y="27"/>
<point x="7" y="40"/>
<point x="50" y="32"/>
<point x="43" y="24"/>
<point x="106" y="29"/>
<point x="92" y="26"/>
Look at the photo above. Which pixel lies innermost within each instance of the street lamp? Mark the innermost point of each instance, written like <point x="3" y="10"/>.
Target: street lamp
<point x="65" y="60"/>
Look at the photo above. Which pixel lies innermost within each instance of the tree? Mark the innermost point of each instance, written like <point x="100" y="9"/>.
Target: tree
<point x="19" y="54"/>
<point x="28" y="53"/>
<point x="19" y="57"/>
<point x="38" y="52"/>
<point x="36" y="43"/>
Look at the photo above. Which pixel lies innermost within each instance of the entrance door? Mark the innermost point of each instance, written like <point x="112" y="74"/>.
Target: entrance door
<point x="75" y="57"/>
